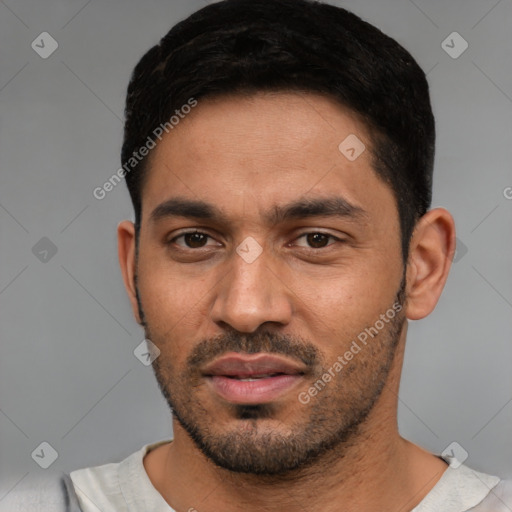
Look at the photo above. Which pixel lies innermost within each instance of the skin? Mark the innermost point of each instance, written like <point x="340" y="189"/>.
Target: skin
<point x="245" y="155"/>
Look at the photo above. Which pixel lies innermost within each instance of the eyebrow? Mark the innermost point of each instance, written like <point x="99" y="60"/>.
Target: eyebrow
<point x="332" y="206"/>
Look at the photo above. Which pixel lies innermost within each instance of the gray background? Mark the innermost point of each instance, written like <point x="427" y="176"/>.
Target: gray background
<point x="68" y="374"/>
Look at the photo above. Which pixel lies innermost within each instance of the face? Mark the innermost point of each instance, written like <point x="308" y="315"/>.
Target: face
<point x="266" y="257"/>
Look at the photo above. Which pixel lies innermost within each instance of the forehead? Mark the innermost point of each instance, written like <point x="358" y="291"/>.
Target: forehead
<point x="256" y="152"/>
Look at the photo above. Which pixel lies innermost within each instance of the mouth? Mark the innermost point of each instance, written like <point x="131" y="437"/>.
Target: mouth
<point x="251" y="379"/>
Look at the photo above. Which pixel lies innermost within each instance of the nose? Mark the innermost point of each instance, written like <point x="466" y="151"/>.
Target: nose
<point x="251" y="294"/>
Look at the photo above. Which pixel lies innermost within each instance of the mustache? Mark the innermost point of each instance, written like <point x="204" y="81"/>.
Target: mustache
<point x="207" y="350"/>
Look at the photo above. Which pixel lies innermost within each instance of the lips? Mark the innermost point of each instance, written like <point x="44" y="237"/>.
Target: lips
<point x="253" y="378"/>
<point x="253" y="365"/>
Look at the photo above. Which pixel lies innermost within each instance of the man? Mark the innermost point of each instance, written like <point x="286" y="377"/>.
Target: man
<point x="279" y="158"/>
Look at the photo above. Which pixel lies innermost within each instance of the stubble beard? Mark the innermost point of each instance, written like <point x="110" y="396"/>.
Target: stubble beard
<point x="260" y="442"/>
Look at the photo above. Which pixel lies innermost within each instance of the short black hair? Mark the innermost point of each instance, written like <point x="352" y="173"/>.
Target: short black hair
<point x="246" y="46"/>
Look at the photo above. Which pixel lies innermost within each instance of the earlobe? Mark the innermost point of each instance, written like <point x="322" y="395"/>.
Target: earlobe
<point x="127" y="259"/>
<point x="431" y="252"/>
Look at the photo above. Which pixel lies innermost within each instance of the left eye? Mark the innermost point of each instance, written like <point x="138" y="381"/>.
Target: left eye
<point x="317" y="240"/>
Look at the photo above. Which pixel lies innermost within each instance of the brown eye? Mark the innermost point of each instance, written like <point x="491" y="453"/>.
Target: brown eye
<point x="195" y="240"/>
<point x="192" y="240"/>
<point x="317" y="240"/>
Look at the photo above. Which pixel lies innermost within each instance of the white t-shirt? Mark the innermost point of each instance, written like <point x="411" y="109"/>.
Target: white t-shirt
<point x="126" y="487"/>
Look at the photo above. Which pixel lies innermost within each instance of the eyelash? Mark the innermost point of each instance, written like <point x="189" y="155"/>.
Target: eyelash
<point x="173" y="240"/>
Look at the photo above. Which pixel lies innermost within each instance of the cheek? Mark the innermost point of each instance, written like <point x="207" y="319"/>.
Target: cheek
<point x="174" y="304"/>
<point x="348" y="294"/>
<point x="333" y="310"/>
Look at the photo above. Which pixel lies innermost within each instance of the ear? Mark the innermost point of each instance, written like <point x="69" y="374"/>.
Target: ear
<point x="431" y="252"/>
<point x="126" y="254"/>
